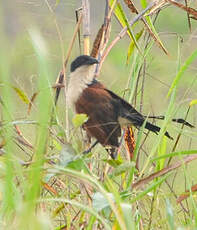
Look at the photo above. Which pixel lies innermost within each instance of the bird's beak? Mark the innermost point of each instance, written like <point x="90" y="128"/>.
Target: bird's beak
<point x="92" y="61"/>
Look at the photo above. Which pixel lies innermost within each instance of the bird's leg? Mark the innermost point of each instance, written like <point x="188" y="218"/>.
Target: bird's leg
<point x="113" y="152"/>
<point x="90" y="148"/>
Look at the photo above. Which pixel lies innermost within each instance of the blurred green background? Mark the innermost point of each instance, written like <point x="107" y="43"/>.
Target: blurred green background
<point x="18" y="17"/>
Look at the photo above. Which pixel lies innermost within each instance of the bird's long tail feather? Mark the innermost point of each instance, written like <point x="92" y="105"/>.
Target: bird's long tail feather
<point x="156" y="129"/>
<point x="177" y="120"/>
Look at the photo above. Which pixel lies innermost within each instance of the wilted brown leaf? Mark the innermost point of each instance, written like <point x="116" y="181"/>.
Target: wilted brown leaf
<point x="131" y="6"/>
<point x="130" y="141"/>
<point x="31" y="102"/>
<point x="97" y="42"/>
<point x="50" y="189"/>
<point x="60" y="80"/>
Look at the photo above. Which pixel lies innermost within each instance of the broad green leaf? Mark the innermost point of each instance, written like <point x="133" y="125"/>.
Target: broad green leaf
<point x="99" y="202"/>
<point x="67" y="155"/>
<point x="21" y="95"/>
<point x="193" y="102"/>
<point x="78" y="165"/>
<point x="79" y="119"/>
<point x="189" y="60"/>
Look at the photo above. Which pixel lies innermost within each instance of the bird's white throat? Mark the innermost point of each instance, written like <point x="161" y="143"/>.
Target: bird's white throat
<point x="79" y="80"/>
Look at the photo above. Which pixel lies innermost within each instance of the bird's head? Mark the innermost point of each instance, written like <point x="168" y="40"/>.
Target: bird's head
<point x="82" y="72"/>
<point x="82" y="61"/>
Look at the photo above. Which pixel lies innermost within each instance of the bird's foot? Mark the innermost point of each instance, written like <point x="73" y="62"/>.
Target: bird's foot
<point x="91" y="147"/>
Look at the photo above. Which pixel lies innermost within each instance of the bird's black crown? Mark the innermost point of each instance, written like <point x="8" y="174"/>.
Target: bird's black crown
<point x="82" y="60"/>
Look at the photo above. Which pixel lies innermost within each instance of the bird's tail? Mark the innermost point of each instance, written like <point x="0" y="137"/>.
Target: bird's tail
<point x="177" y="120"/>
<point x="156" y="129"/>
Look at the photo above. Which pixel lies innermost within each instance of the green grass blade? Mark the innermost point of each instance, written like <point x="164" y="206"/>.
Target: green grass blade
<point x="120" y="14"/>
<point x="132" y="45"/>
<point x="186" y="152"/>
<point x="153" y="33"/>
<point x="33" y="186"/>
<point x="168" y="116"/>
<point x="151" y="187"/>
<point x="162" y="152"/>
<point x="182" y="70"/>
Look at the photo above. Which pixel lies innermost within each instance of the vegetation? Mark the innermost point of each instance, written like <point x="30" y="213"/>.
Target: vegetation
<point x="45" y="180"/>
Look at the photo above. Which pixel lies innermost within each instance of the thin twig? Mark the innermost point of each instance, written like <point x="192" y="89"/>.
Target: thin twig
<point x="62" y="75"/>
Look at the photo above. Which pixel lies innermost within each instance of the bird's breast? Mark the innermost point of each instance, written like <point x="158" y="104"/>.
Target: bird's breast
<point x="79" y="80"/>
<point x="73" y="93"/>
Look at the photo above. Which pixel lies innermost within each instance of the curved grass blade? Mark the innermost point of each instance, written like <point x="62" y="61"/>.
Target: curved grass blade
<point x="151" y="187"/>
<point x="186" y="152"/>
<point x="185" y="66"/>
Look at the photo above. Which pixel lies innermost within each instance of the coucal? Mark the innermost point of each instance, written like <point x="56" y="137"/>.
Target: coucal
<point x="106" y="111"/>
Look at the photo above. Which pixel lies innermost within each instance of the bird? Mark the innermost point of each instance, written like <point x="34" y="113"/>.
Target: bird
<point x="107" y="112"/>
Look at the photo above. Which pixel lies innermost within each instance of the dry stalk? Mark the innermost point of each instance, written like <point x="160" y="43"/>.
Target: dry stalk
<point x="163" y="171"/>
<point x="86" y="26"/>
